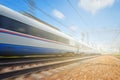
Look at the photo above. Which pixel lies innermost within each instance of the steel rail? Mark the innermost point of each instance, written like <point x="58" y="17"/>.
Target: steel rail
<point x="20" y="62"/>
<point x="56" y="64"/>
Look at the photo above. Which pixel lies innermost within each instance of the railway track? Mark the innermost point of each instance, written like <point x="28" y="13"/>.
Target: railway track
<point x="21" y="61"/>
<point x="14" y="69"/>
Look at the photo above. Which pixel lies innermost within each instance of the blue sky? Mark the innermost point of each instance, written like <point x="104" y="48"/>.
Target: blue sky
<point x="98" y="20"/>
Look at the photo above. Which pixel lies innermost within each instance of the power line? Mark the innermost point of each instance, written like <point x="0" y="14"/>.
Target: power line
<point x="48" y="15"/>
<point x="32" y="6"/>
<point x="86" y="35"/>
<point x="78" y="34"/>
<point x="39" y="9"/>
<point x="54" y="19"/>
<point x="64" y="25"/>
<point x="69" y="2"/>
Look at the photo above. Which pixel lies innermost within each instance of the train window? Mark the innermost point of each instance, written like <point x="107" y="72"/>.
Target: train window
<point x="17" y="26"/>
<point x="13" y="25"/>
<point x="36" y="32"/>
<point x="0" y="22"/>
<point x="4" y="22"/>
<point x="40" y="33"/>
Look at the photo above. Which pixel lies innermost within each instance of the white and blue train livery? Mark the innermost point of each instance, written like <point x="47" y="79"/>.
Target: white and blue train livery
<point x="23" y="35"/>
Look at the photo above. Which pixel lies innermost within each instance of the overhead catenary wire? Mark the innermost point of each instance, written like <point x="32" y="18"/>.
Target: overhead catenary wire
<point x="54" y="19"/>
<point x="77" y="33"/>
<point x="50" y="6"/>
<point x="47" y="14"/>
<point x="80" y="17"/>
<point x="70" y="3"/>
<point x="35" y="7"/>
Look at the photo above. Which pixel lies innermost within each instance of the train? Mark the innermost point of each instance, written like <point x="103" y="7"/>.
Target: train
<point x="22" y="35"/>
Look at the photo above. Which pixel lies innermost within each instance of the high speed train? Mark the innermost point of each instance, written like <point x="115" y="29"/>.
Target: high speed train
<point x="23" y="35"/>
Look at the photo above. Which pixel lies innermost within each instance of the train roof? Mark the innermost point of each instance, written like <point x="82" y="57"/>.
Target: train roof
<point x="30" y="21"/>
<point x="31" y="16"/>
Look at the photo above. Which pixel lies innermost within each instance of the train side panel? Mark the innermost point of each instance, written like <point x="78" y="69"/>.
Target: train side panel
<point x="22" y="44"/>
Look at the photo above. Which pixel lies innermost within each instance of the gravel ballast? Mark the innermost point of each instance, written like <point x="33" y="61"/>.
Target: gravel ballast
<point x="100" y="68"/>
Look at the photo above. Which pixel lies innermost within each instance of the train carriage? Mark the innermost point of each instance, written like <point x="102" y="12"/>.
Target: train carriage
<point x="23" y="35"/>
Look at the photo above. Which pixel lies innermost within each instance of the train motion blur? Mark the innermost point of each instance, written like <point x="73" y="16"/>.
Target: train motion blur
<point x="23" y="35"/>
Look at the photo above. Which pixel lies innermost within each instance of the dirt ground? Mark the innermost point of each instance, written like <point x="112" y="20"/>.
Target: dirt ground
<point x="101" y="68"/>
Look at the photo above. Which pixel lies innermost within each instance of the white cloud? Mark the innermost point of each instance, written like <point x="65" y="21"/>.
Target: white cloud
<point x="58" y="14"/>
<point x="95" y="5"/>
<point x="73" y="28"/>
